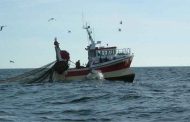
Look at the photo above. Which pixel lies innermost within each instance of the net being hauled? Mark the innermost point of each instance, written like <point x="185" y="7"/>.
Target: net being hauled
<point x="45" y="73"/>
<point x="42" y="74"/>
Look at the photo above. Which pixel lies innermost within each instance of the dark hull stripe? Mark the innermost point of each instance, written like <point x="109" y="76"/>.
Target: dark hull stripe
<point x="126" y="78"/>
<point x="118" y="66"/>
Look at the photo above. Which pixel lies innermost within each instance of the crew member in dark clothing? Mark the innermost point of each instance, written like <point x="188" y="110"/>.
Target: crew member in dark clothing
<point x="78" y="64"/>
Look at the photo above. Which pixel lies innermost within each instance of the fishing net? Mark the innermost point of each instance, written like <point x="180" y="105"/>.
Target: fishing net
<point x="42" y="74"/>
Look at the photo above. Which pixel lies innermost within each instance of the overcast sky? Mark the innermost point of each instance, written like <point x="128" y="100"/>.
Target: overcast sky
<point x="157" y="31"/>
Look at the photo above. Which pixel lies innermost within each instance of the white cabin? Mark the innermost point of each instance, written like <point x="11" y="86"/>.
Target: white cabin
<point x="103" y="54"/>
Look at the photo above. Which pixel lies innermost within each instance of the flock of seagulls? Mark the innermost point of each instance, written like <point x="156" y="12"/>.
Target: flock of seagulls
<point x="121" y="22"/>
<point x="69" y="31"/>
<point x="49" y="20"/>
<point x="53" y="19"/>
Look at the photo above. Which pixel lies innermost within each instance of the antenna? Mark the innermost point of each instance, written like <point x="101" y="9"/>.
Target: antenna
<point x="93" y="33"/>
<point x="82" y="17"/>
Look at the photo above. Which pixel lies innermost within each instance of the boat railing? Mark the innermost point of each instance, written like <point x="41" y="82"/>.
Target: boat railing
<point x="124" y="51"/>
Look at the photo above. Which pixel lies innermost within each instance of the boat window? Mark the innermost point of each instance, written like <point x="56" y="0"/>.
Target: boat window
<point x="102" y="53"/>
<point x="105" y="52"/>
<point x="110" y="52"/>
<point x="114" y="52"/>
<point x="92" y="53"/>
<point x="98" y="53"/>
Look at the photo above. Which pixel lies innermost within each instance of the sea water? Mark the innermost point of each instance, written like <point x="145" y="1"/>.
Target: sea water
<point x="158" y="94"/>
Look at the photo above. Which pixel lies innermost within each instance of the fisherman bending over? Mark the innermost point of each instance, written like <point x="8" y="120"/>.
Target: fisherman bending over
<point x="78" y="64"/>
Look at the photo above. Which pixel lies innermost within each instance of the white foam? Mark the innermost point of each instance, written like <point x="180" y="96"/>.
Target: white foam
<point x="95" y="75"/>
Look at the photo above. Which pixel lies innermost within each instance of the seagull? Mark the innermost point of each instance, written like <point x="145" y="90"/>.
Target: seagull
<point x="121" y="22"/>
<point x="1" y="27"/>
<point x="11" y="61"/>
<point x="51" y="19"/>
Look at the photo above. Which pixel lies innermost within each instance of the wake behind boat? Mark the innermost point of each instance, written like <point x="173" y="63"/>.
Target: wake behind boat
<point x="109" y="62"/>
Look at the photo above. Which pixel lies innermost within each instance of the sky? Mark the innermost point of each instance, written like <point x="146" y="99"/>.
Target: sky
<point x="157" y="31"/>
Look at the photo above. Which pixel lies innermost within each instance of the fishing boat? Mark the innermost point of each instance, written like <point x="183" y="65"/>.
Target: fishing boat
<point x="103" y="61"/>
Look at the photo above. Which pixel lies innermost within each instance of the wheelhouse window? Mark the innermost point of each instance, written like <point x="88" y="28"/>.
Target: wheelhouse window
<point x="109" y="52"/>
<point x="92" y="53"/>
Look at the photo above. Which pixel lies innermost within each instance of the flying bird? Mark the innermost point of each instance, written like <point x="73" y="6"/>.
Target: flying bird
<point x="11" y="61"/>
<point x="119" y="29"/>
<point x="51" y="19"/>
<point x="1" y="27"/>
<point x="69" y="31"/>
<point x="121" y="22"/>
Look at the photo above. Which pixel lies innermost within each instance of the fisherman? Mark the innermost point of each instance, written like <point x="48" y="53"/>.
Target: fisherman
<point x="57" y="50"/>
<point x="62" y="57"/>
<point x="78" y="64"/>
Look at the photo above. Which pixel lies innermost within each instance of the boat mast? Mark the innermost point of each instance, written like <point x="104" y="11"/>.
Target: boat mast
<point x="89" y="32"/>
